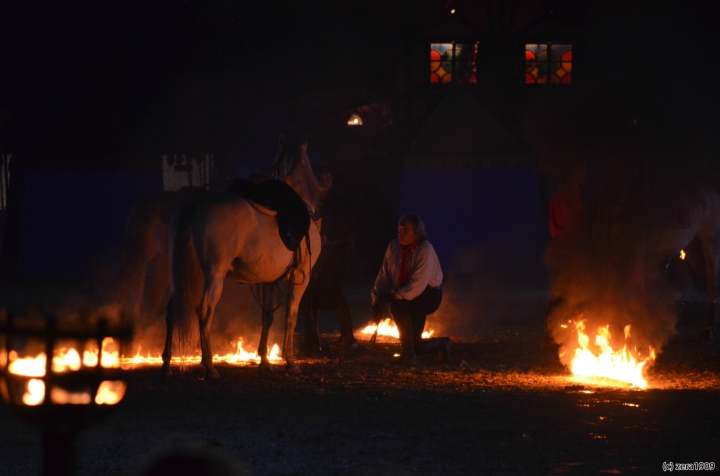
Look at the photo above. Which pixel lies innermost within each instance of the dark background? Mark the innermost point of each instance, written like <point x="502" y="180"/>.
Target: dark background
<point x="112" y="86"/>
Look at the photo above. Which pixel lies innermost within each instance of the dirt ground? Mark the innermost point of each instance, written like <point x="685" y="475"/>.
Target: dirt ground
<point x="501" y="407"/>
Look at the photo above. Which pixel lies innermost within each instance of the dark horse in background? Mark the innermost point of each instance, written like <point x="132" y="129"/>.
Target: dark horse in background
<point x="145" y="281"/>
<point x="654" y="222"/>
<point x="220" y="234"/>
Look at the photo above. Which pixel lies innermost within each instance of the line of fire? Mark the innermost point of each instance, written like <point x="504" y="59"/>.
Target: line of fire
<point x="452" y="237"/>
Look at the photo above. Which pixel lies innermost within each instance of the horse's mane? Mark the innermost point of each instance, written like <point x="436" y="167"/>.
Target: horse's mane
<point x="301" y="177"/>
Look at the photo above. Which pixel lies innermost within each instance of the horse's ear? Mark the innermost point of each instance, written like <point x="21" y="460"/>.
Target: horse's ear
<point x="281" y="142"/>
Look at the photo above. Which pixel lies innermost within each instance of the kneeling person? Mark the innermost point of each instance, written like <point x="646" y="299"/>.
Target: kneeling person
<point x="409" y="280"/>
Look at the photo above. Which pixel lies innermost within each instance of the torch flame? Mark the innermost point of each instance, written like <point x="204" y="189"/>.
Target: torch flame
<point x="385" y="328"/>
<point x="621" y="365"/>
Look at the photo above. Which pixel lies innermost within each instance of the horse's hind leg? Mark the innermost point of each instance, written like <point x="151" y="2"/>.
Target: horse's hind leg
<point x="267" y="291"/>
<point x="213" y="290"/>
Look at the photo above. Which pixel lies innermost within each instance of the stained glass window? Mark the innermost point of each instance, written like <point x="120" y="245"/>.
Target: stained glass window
<point x="453" y="62"/>
<point x="548" y="63"/>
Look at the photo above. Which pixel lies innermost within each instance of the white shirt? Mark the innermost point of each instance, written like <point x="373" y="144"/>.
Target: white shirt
<point x="423" y="271"/>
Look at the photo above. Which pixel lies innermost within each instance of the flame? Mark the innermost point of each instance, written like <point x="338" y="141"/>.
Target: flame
<point x="621" y="365"/>
<point x="241" y="356"/>
<point x="109" y="392"/>
<point x="385" y="328"/>
<point x="682" y="254"/>
<point x="35" y="393"/>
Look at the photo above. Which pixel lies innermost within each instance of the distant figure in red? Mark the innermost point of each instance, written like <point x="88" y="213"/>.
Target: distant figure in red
<point x="567" y="220"/>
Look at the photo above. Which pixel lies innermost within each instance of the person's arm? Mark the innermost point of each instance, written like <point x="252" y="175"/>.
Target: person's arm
<point x="420" y="274"/>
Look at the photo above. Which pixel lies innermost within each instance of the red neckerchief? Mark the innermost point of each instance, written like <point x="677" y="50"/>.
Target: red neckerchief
<point x="405" y="251"/>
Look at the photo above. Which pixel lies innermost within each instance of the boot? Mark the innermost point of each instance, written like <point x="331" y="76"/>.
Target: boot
<point x="438" y="344"/>
<point x="407" y="355"/>
<point x="346" y="329"/>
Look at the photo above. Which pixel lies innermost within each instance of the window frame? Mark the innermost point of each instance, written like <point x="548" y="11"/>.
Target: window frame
<point x="548" y="45"/>
<point x="454" y="72"/>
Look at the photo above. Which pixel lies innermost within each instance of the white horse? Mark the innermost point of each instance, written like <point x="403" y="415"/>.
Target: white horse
<point x="221" y="234"/>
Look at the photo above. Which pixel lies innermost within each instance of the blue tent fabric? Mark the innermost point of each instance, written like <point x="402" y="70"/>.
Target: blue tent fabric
<point x="472" y="207"/>
<point x="73" y="222"/>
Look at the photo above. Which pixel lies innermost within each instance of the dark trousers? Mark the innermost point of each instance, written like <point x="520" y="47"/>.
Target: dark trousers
<point x="410" y="316"/>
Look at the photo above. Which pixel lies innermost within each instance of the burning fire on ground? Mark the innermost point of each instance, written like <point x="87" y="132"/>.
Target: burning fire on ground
<point x="385" y="328"/>
<point x="599" y="359"/>
<point x="109" y="392"/>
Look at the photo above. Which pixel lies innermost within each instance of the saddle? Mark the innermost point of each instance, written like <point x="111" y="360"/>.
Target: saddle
<point x="293" y="216"/>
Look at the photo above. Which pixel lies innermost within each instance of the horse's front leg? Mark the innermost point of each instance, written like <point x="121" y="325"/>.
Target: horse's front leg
<point x="267" y="291"/>
<point x="213" y="290"/>
<point x="290" y="321"/>
<point x="165" y="371"/>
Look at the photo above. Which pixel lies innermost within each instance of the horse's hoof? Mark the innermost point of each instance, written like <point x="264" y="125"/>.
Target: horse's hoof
<point x="707" y="336"/>
<point x="265" y="366"/>
<point x="292" y="368"/>
<point x="165" y="371"/>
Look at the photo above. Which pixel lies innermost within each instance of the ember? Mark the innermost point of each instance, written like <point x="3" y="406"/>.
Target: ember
<point x="385" y="328"/>
<point x="602" y="361"/>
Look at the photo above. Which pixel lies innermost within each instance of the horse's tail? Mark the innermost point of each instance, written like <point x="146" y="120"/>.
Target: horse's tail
<point x="187" y="282"/>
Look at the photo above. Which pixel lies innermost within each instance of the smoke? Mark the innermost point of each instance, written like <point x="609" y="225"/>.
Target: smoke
<point x="497" y="284"/>
<point x="645" y="159"/>
<point x="609" y="273"/>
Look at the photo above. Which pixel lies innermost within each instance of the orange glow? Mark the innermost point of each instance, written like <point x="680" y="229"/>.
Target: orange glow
<point x="601" y="360"/>
<point x="109" y="392"/>
<point x="240" y="357"/>
<point x="388" y="329"/>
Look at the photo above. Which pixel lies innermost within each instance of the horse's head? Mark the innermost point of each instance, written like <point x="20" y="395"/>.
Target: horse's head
<point x="288" y="158"/>
<point x="292" y="166"/>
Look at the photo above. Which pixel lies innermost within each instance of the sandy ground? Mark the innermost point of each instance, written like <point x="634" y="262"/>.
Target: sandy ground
<point x="502" y="406"/>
